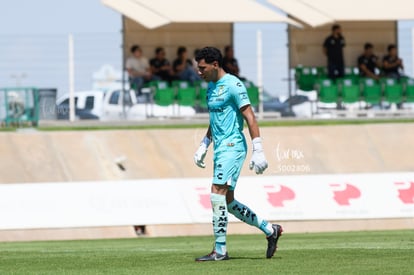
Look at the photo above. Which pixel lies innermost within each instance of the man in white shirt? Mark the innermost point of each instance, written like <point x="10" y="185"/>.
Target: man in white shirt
<point x="138" y="69"/>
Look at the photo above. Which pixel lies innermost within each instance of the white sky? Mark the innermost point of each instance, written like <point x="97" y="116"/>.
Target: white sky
<point x="56" y="17"/>
<point x="34" y="42"/>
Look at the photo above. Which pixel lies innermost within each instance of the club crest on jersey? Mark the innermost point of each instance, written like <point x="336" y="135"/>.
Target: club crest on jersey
<point x="220" y="91"/>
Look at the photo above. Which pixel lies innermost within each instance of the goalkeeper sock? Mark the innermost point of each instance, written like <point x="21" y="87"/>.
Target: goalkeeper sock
<point x="218" y="203"/>
<point x="245" y="214"/>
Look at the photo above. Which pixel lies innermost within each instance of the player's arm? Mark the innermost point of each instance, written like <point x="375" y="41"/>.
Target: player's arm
<point x="367" y="72"/>
<point x="180" y="65"/>
<point x="154" y="69"/>
<point x="208" y="134"/>
<point x="251" y="121"/>
<point x="391" y="65"/>
<point x="386" y="64"/>
<point x="258" y="160"/>
<point x="134" y="73"/>
<point x="201" y="152"/>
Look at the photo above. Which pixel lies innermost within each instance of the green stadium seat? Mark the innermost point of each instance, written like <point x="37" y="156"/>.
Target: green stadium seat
<point x="327" y="90"/>
<point x="305" y="78"/>
<point x="248" y="84"/>
<point x="408" y="84"/>
<point x="352" y="73"/>
<point x="253" y="93"/>
<point x="164" y="95"/>
<point x="201" y="93"/>
<point x="322" y="72"/>
<point x="186" y="96"/>
<point x="180" y="84"/>
<point x="298" y="71"/>
<point x="392" y="90"/>
<point x="371" y="90"/>
<point x="349" y="90"/>
<point x="200" y="84"/>
<point x="157" y="84"/>
<point x="202" y="102"/>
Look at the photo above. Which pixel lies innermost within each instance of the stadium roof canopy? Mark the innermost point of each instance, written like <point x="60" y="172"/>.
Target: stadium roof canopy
<point x="156" y="13"/>
<point x="320" y="12"/>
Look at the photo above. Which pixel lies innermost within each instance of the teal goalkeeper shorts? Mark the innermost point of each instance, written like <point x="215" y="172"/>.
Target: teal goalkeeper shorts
<point x="227" y="167"/>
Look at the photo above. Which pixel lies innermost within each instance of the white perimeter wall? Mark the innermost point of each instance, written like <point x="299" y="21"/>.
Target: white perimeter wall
<point x="186" y="201"/>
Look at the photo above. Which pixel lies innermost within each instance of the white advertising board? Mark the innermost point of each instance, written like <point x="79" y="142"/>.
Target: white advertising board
<point x="186" y="201"/>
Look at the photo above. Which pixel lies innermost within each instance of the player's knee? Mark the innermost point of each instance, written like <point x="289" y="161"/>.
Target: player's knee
<point x="220" y="189"/>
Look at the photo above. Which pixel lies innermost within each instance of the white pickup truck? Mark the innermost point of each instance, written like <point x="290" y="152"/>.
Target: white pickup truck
<point x="116" y="105"/>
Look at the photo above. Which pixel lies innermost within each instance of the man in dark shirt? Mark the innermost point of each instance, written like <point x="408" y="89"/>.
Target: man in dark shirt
<point x="368" y="62"/>
<point x="183" y="67"/>
<point x="230" y="64"/>
<point x="391" y="63"/>
<point x="333" y="49"/>
<point x="160" y="65"/>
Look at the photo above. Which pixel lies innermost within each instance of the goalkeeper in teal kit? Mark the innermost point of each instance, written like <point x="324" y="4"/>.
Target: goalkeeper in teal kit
<point x="229" y="105"/>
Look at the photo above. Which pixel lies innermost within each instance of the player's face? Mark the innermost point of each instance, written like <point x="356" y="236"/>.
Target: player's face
<point x="208" y="72"/>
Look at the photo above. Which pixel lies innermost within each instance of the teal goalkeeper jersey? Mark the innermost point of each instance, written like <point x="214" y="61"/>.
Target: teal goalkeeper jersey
<point x="224" y="100"/>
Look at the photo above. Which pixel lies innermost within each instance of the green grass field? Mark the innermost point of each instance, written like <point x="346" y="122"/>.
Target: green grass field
<point x="386" y="252"/>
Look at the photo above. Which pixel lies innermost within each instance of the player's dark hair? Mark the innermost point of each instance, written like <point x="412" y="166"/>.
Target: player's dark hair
<point x="210" y="54"/>
<point x="335" y="27"/>
<point x="391" y="46"/>
<point x="135" y="48"/>
<point x="368" y="46"/>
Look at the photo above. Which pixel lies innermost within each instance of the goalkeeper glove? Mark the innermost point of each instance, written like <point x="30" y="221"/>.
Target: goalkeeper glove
<point x="258" y="160"/>
<point x="201" y="152"/>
